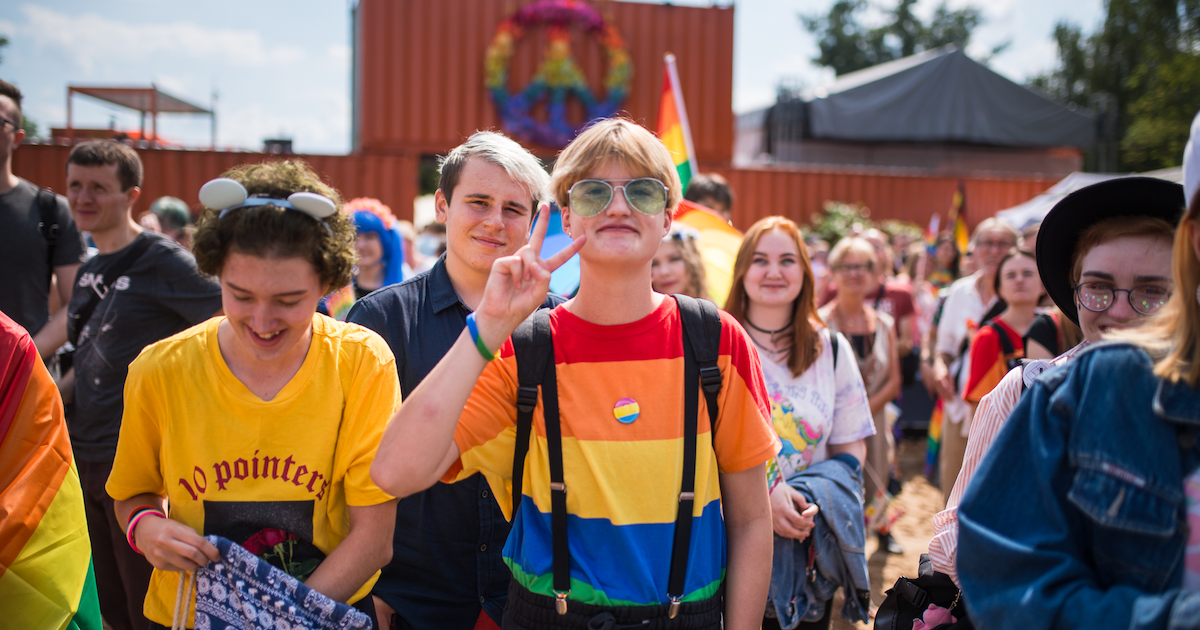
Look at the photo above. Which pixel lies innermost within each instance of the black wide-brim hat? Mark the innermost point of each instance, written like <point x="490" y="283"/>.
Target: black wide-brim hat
<point x="1075" y="213"/>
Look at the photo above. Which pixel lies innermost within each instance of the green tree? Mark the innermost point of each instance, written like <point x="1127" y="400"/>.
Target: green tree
<point x="846" y="45"/>
<point x="1138" y="58"/>
<point x="1160" y="119"/>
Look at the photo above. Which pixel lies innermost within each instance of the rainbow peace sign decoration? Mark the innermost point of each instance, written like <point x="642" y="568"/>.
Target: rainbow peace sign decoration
<point x="558" y="77"/>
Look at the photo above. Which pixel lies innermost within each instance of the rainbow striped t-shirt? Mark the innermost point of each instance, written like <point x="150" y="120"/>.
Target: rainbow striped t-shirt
<point x="621" y="401"/>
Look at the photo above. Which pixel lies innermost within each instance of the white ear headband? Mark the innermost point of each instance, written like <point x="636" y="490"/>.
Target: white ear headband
<point x="226" y="195"/>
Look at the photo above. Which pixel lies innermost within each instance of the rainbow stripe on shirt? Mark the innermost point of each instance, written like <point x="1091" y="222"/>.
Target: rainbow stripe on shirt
<point x="623" y="478"/>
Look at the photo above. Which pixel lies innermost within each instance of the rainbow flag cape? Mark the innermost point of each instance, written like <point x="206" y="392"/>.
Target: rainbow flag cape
<point x="673" y="124"/>
<point x="718" y="245"/>
<point x="46" y="578"/>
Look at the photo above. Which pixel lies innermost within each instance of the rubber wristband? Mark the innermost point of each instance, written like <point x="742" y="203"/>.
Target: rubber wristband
<point x="133" y="523"/>
<point x="133" y="514"/>
<point x="479" y="345"/>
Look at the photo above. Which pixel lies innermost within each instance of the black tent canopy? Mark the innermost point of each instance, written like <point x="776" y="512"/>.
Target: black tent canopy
<point x="941" y="95"/>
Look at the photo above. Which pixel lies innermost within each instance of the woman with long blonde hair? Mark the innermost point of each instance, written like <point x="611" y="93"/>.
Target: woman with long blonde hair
<point x="819" y="408"/>
<point x="1086" y="511"/>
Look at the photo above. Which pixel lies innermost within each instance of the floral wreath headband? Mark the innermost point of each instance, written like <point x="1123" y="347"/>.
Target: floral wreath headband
<point x="227" y="195"/>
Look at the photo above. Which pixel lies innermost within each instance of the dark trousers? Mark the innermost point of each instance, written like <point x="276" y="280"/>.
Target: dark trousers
<point x="122" y="576"/>
<point x="823" y="623"/>
<point x="530" y="611"/>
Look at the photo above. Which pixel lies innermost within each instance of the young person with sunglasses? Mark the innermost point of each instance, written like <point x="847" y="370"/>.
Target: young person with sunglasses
<point x="620" y="399"/>
<point x="1099" y="246"/>
<point x="819" y="408"/>
<point x="261" y="424"/>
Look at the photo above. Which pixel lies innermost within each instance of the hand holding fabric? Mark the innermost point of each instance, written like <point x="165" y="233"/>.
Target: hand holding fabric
<point x="792" y="516"/>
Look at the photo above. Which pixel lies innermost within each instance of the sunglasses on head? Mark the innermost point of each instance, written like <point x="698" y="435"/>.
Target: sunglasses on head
<point x="589" y="197"/>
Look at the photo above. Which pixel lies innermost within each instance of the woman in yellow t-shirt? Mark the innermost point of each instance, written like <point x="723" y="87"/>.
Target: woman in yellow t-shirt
<point x="261" y="426"/>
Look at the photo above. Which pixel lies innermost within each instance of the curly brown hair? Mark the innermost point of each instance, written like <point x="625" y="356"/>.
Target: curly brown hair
<point x="273" y="232"/>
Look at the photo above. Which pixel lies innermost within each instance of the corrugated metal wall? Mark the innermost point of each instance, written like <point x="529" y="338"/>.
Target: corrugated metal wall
<point x="421" y="76"/>
<point x="798" y="194"/>
<point x="182" y="173"/>
<point x="763" y="192"/>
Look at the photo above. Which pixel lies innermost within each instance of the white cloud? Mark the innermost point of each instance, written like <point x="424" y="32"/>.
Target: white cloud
<point x="338" y="54"/>
<point x="90" y="38"/>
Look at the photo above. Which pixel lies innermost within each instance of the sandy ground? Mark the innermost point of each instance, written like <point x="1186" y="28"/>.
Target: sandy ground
<point x="920" y="501"/>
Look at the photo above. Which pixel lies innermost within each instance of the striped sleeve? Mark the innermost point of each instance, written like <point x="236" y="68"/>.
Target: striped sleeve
<point x="989" y="418"/>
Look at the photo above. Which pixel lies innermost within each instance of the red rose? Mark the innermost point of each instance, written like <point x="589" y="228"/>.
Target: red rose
<point x="264" y="539"/>
<point x="273" y="536"/>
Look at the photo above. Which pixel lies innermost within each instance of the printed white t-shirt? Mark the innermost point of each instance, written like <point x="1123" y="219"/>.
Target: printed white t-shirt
<point x="817" y="408"/>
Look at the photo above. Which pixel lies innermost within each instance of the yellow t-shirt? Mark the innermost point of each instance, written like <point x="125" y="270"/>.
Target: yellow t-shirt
<point x="232" y="464"/>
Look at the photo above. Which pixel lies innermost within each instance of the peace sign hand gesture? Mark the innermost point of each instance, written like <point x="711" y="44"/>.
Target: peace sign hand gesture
<point x="518" y="284"/>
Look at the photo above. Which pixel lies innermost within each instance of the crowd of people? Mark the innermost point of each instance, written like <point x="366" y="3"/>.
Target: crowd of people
<point x="412" y="428"/>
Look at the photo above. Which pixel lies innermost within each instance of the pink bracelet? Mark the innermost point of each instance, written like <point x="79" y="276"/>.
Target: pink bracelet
<point x="133" y="522"/>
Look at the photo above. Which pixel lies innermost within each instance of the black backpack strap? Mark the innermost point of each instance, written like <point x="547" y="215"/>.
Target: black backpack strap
<point x="558" y="487"/>
<point x="48" y="224"/>
<point x="701" y="348"/>
<point x="78" y="320"/>
<point x="1006" y="345"/>
<point x="833" y="343"/>
<point x="534" y="348"/>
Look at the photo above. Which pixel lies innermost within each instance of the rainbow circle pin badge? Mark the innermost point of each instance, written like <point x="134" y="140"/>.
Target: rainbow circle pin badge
<point x="626" y="410"/>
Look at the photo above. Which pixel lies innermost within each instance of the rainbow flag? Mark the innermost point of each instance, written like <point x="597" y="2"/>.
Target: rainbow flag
<point x="718" y="245"/>
<point x="958" y="218"/>
<point x="931" y="232"/>
<point x="339" y="303"/>
<point x="673" y="124"/>
<point x="46" y="578"/>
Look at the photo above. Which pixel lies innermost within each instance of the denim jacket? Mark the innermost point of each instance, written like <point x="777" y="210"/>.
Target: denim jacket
<point x="799" y="593"/>
<point x="1077" y="517"/>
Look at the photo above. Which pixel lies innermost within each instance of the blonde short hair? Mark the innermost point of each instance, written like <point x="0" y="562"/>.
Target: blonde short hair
<point x="852" y="245"/>
<point x="615" y="140"/>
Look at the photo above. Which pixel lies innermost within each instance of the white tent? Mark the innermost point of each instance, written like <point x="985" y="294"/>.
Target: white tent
<point x="1036" y="209"/>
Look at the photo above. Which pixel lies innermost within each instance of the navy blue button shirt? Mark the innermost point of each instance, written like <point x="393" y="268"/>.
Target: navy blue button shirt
<point x="446" y="553"/>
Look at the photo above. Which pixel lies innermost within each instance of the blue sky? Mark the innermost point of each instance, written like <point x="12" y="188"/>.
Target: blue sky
<point x="282" y="67"/>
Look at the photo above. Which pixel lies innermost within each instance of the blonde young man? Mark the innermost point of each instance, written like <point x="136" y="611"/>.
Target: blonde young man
<point x="617" y="349"/>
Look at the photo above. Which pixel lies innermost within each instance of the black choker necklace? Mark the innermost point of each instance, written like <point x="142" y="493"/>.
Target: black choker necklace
<point x="765" y="331"/>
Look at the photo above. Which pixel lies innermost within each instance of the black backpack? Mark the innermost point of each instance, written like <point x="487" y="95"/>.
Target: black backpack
<point x="534" y="349"/>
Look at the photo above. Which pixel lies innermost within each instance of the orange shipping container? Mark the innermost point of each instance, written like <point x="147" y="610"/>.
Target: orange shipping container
<point x="797" y="194"/>
<point x="419" y="70"/>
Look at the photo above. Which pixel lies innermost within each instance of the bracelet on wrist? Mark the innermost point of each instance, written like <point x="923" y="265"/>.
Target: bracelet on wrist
<point x="479" y="345"/>
<point x="134" y="518"/>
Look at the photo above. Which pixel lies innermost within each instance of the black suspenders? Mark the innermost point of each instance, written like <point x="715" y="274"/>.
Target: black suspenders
<point x="534" y="347"/>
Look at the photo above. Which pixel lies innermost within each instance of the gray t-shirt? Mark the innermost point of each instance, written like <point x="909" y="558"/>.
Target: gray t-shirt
<point x="24" y="262"/>
<point x="161" y="294"/>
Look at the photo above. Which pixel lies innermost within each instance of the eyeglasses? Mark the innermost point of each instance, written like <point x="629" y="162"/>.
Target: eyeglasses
<point x="853" y="269"/>
<point x="1098" y="297"/>
<point x="590" y="197"/>
<point x="5" y="121"/>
